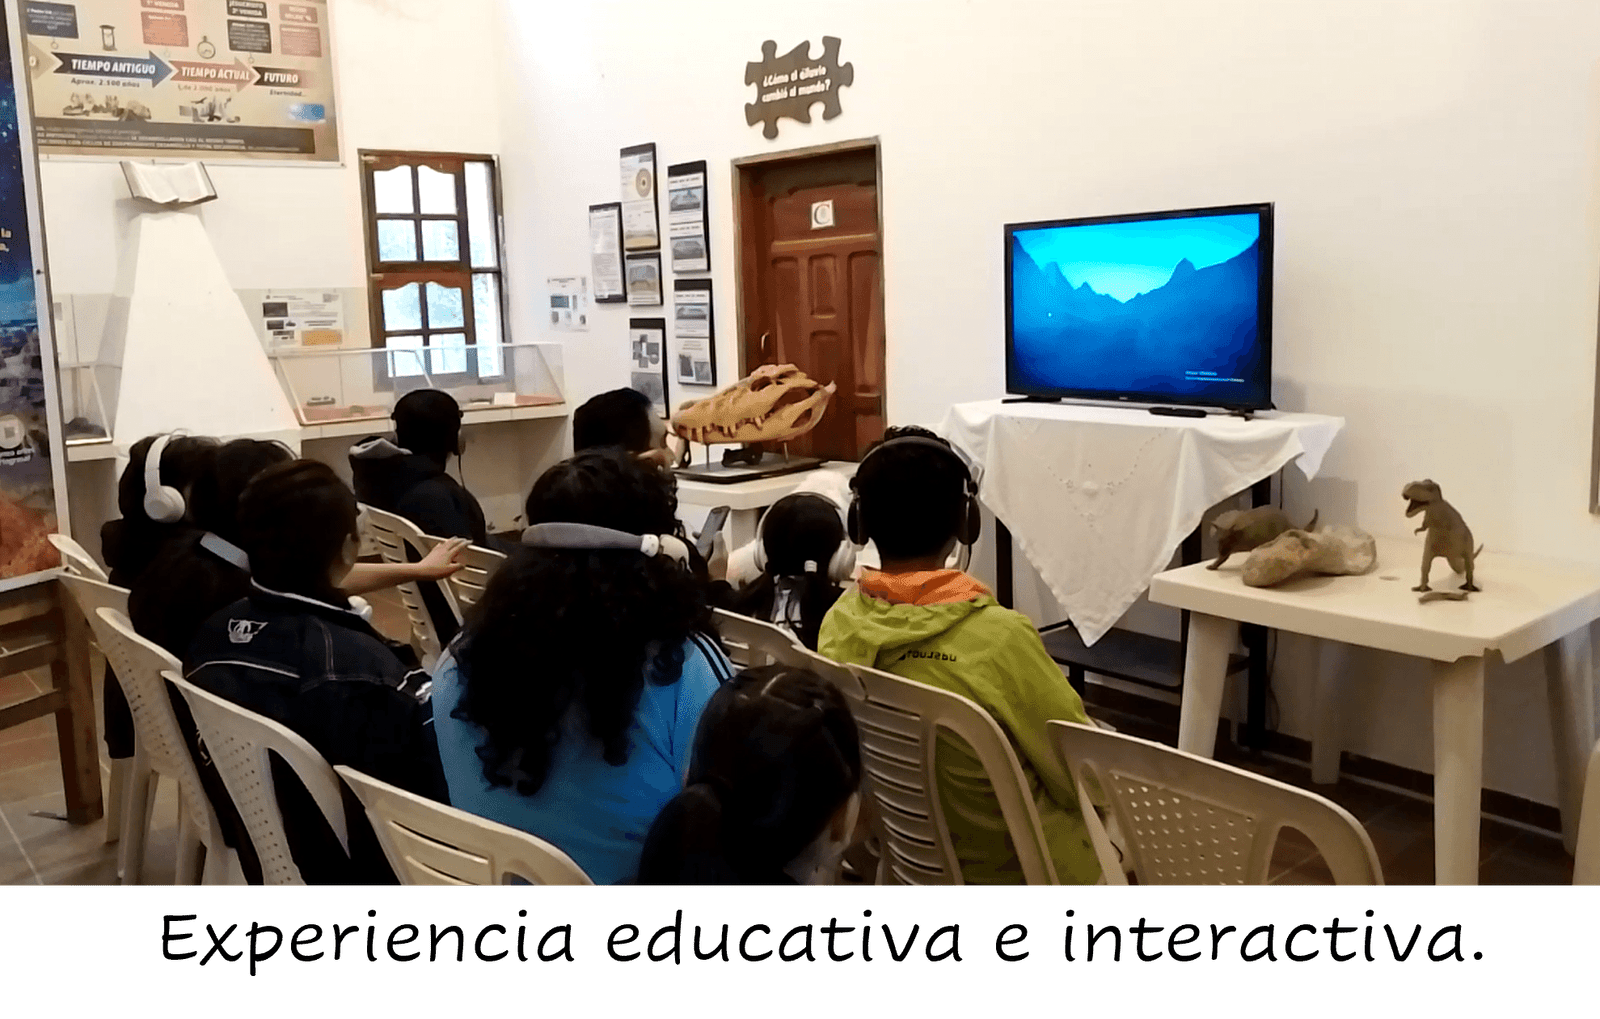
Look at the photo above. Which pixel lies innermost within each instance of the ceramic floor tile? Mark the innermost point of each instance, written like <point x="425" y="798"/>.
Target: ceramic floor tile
<point x="1311" y="872"/>
<point x="34" y="728"/>
<point x="27" y="752"/>
<point x="14" y="688"/>
<point x="28" y="782"/>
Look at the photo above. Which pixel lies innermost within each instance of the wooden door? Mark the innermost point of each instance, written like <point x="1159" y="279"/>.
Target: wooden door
<point x="813" y="289"/>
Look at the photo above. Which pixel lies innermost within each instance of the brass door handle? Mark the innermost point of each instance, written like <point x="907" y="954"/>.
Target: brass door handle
<point x="764" y="338"/>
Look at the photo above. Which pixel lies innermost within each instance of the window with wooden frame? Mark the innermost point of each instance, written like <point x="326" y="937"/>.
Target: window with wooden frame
<point x="434" y="263"/>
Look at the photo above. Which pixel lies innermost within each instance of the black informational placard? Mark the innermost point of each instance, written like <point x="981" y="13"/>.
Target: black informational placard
<point x="648" y="360"/>
<point x="605" y="253"/>
<point x="695" y="329"/>
<point x="688" y="219"/>
<point x="641" y="217"/>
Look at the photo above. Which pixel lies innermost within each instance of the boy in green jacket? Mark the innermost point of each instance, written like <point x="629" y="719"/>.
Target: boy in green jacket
<point x="942" y="627"/>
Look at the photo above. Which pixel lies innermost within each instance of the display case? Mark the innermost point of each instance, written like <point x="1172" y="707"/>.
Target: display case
<point x="87" y="395"/>
<point x="351" y="385"/>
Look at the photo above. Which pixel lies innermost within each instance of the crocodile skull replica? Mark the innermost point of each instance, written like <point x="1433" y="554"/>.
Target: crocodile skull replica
<point x="774" y="403"/>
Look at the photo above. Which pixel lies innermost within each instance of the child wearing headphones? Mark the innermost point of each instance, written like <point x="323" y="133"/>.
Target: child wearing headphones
<point x="917" y="500"/>
<point x="804" y="558"/>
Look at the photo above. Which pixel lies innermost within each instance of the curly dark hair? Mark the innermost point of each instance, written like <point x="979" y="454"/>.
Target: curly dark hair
<point x="558" y="630"/>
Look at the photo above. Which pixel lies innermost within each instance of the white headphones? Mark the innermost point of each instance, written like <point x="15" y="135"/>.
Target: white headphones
<point x="578" y="537"/>
<point x="841" y="567"/>
<point x="162" y="503"/>
<point x="225" y="550"/>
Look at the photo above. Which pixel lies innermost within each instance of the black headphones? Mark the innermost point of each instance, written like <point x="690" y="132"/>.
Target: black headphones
<point x="971" y="522"/>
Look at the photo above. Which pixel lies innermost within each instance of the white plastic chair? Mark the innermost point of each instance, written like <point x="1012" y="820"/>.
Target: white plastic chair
<point x="900" y="722"/>
<point x="393" y="535"/>
<point x="1192" y="821"/>
<point x="159" y="749"/>
<point x="428" y="843"/>
<point x="77" y="564"/>
<point x="242" y="743"/>
<point x="466" y="586"/>
<point x="76" y="560"/>
<point x="751" y="642"/>
<point x="1586" y="859"/>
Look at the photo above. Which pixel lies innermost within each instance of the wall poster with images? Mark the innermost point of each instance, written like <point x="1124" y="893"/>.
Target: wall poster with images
<point x="695" y="331"/>
<point x="644" y="280"/>
<point x="245" y="80"/>
<point x="688" y="218"/>
<point x="33" y="482"/>
<point x="648" y="367"/>
<point x="641" y="227"/>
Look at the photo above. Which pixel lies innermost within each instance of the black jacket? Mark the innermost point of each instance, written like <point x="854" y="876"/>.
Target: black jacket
<point x="416" y="487"/>
<point x="323" y="672"/>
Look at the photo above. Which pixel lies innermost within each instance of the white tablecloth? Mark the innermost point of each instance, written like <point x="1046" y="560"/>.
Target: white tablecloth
<point x="1100" y="498"/>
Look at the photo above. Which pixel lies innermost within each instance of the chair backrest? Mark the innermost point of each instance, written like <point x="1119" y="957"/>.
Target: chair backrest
<point x="1586" y="859"/>
<point x="901" y="722"/>
<point x="467" y="585"/>
<point x="76" y="559"/>
<point x="392" y="535"/>
<point x="428" y="843"/>
<point x="139" y="666"/>
<point x="1192" y="821"/>
<point x="242" y="744"/>
<point x="751" y="642"/>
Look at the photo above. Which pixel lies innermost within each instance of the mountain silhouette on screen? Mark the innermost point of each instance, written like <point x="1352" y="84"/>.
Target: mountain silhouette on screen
<point x="1191" y="336"/>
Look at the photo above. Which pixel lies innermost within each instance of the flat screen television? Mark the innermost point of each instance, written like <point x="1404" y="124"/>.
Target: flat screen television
<point x="1165" y="307"/>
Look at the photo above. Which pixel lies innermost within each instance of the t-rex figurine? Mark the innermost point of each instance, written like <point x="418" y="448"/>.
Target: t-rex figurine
<point x="1448" y="538"/>
<point x="1250" y="529"/>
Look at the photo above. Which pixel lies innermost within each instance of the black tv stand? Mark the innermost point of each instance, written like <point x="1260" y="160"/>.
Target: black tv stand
<point x="1031" y="399"/>
<point x="1178" y="412"/>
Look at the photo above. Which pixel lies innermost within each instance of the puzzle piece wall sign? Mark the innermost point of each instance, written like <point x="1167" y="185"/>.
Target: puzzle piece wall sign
<point x="789" y="85"/>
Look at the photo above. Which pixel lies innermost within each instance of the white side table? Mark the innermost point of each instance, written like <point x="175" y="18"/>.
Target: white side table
<point x="1526" y="605"/>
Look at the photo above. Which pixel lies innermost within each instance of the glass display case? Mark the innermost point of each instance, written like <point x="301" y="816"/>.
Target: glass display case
<point x="363" y="383"/>
<point x="87" y="392"/>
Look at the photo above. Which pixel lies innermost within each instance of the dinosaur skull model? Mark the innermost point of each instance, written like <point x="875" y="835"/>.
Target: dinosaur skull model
<point x="774" y="403"/>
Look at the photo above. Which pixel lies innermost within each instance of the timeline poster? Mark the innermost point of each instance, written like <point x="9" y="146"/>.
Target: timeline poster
<point x="687" y="222"/>
<point x="213" y="79"/>
<point x="649" y="360"/>
<point x="696" y="332"/>
<point x="32" y="456"/>
<point x="641" y="230"/>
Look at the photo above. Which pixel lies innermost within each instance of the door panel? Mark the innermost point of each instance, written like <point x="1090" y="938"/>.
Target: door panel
<point x="818" y="292"/>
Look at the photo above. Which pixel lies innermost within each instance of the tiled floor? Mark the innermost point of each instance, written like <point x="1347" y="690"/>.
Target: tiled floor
<point x="37" y="848"/>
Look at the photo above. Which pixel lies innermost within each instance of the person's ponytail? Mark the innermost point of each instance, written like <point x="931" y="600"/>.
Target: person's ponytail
<point x="685" y="846"/>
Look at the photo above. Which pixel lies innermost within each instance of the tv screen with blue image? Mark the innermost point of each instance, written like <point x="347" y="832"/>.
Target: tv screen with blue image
<point x="1169" y="307"/>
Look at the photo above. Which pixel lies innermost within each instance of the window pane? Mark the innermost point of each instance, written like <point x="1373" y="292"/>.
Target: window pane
<point x="405" y="356"/>
<point x="444" y="307"/>
<point x="441" y="241"/>
<point x="438" y="191"/>
<point x="481" y="217"/>
<point x="402" y="309"/>
<point x="391" y="190"/>
<point x="486" y="314"/>
<point x="448" y="353"/>
<point x="397" y="240"/>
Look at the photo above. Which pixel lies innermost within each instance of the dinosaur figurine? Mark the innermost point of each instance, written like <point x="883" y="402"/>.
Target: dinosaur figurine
<point x="1449" y="538"/>
<point x="1250" y="529"/>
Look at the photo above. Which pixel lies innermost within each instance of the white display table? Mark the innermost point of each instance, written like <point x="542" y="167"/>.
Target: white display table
<point x="747" y="499"/>
<point x="1100" y="498"/>
<point x="1525" y="605"/>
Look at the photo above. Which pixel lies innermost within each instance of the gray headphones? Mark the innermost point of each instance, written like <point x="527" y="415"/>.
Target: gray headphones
<point x="582" y="537"/>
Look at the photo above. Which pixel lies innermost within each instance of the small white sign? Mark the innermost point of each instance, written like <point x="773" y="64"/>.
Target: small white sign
<point x="822" y="215"/>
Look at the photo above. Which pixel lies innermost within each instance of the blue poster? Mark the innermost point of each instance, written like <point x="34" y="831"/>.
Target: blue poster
<point x="29" y="438"/>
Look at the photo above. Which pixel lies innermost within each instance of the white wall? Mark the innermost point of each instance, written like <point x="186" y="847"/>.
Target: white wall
<point x="1438" y="223"/>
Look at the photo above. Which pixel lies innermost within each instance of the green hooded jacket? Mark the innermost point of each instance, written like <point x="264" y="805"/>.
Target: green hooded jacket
<point x="945" y="629"/>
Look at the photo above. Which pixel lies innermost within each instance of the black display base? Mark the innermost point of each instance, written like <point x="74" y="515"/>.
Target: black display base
<point x="1178" y="412"/>
<point x="771" y="467"/>
<point x="1031" y="399"/>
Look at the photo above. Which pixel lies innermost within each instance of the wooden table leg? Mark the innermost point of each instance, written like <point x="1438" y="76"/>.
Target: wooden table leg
<point x="1570" y="680"/>
<point x="1326" y="730"/>
<point x="1457" y="769"/>
<point x="1205" y="674"/>
<point x="75" y="723"/>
